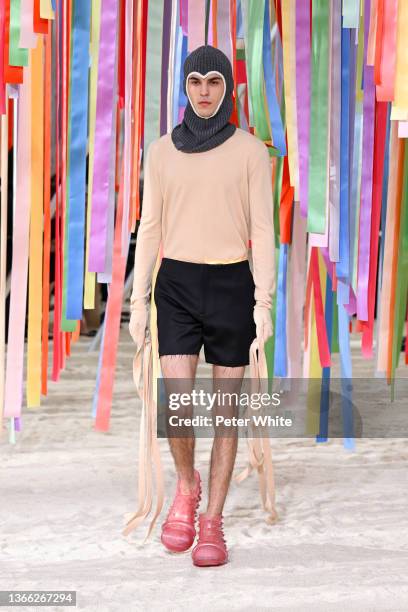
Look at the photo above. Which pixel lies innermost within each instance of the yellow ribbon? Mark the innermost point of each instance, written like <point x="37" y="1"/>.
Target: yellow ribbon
<point x="401" y="81"/>
<point x="46" y="10"/>
<point x="289" y="69"/>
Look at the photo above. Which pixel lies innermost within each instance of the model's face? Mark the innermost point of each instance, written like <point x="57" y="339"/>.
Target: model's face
<point x="205" y="94"/>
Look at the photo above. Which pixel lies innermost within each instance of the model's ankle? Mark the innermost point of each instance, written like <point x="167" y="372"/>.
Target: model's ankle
<point x="212" y="513"/>
<point x="187" y="483"/>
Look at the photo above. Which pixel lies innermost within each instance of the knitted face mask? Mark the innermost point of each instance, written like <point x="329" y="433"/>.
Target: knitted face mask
<point x="195" y="134"/>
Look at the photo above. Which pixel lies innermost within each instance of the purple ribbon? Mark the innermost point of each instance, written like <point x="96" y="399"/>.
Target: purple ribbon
<point x="303" y="95"/>
<point x="184" y="16"/>
<point x="103" y="136"/>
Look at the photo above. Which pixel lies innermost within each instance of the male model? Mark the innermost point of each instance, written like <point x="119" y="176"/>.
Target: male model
<point x="207" y="191"/>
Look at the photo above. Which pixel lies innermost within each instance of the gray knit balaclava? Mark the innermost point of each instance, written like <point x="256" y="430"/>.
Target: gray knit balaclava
<point x="195" y="134"/>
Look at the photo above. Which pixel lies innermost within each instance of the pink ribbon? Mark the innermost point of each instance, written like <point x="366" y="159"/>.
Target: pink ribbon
<point x="19" y="270"/>
<point x="385" y="91"/>
<point x="28" y="38"/>
<point x="366" y="181"/>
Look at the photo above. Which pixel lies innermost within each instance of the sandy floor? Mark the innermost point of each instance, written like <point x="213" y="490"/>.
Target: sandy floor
<point x="341" y="542"/>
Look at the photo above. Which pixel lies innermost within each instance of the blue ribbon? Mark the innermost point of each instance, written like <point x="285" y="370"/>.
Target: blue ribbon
<point x="355" y="126"/>
<point x="240" y="23"/>
<point x="184" y="52"/>
<point x="278" y="63"/>
<point x="325" y="388"/>
<point x="343" y="265"/>
<point x="280" y="361"/>
<point x="77" y="159"/>
<point x="278" y="135"/>
<point x="343" y="292"/>
<point x="385" y="188"/>
<point x="177" y="71"/>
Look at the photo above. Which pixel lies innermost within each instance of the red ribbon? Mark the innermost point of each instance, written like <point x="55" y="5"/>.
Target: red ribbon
<point x="112" y="329"/>
<point x="286" y="204"/>
<point x="322" y="339"/>
<point x="40" y="25"/>
<point x="121" y="59"/>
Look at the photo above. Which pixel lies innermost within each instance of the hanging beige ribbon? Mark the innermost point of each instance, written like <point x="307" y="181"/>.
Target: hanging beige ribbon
<point x="259" y="449"/>
<point x="149" y="451"/>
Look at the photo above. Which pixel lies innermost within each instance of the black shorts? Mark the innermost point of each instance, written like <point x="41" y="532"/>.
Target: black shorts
<point x="210" y="304"/>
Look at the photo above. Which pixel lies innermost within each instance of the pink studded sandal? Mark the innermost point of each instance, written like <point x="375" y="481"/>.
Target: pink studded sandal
<point x="178" y="530"/>
<point x="211" y="548"/>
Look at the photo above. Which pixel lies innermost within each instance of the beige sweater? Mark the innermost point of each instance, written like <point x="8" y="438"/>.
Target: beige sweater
<point x="205" y="207"/>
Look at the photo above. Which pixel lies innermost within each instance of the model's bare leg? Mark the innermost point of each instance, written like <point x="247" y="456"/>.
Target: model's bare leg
<point x="182" y="448"/>
<point x="224" y="447"/>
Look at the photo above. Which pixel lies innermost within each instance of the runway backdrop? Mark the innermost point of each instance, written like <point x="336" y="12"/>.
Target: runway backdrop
<point x="323" y="84"/>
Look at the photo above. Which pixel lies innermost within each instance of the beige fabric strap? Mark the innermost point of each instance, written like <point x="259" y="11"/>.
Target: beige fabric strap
<point x="259" y="449"/>
<point x="149" y="451"/>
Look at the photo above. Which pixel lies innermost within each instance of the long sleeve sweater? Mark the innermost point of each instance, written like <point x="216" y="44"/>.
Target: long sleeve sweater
<point x="205" y="207"/>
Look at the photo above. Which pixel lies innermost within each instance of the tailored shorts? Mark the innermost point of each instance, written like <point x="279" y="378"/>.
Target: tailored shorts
<point x="210" y="304"/>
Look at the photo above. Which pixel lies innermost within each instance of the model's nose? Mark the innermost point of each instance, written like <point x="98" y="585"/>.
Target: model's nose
<point x="204" y="88"/>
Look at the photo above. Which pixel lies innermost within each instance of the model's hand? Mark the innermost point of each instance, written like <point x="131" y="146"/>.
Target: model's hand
<point x="263" y="321"/>
<point x="139" y="322"/>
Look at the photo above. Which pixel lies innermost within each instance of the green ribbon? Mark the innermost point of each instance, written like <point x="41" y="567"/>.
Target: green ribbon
<point x="360" y="62"/>
<point x="253" y="35"/>
<point x="401" y="291"/>
<point x="153" y="73"/>
<point x="17" y="55"/>
<point x="277" y="188"/>
<point x="351" y="13"/>
<point x="316" y="218"/>
<point x="269" y="347"/>
<point x="335" y="347"/>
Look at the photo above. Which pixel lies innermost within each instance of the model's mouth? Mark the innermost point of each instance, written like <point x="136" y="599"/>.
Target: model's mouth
<point x="204" y="103"/>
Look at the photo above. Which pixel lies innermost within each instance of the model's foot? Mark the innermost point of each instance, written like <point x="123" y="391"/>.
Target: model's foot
<point x="178" y="530"/>
<point x="211" y="548"/>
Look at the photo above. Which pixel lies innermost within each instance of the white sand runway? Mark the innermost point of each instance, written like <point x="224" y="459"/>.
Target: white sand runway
<point x="341" y="542"/>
